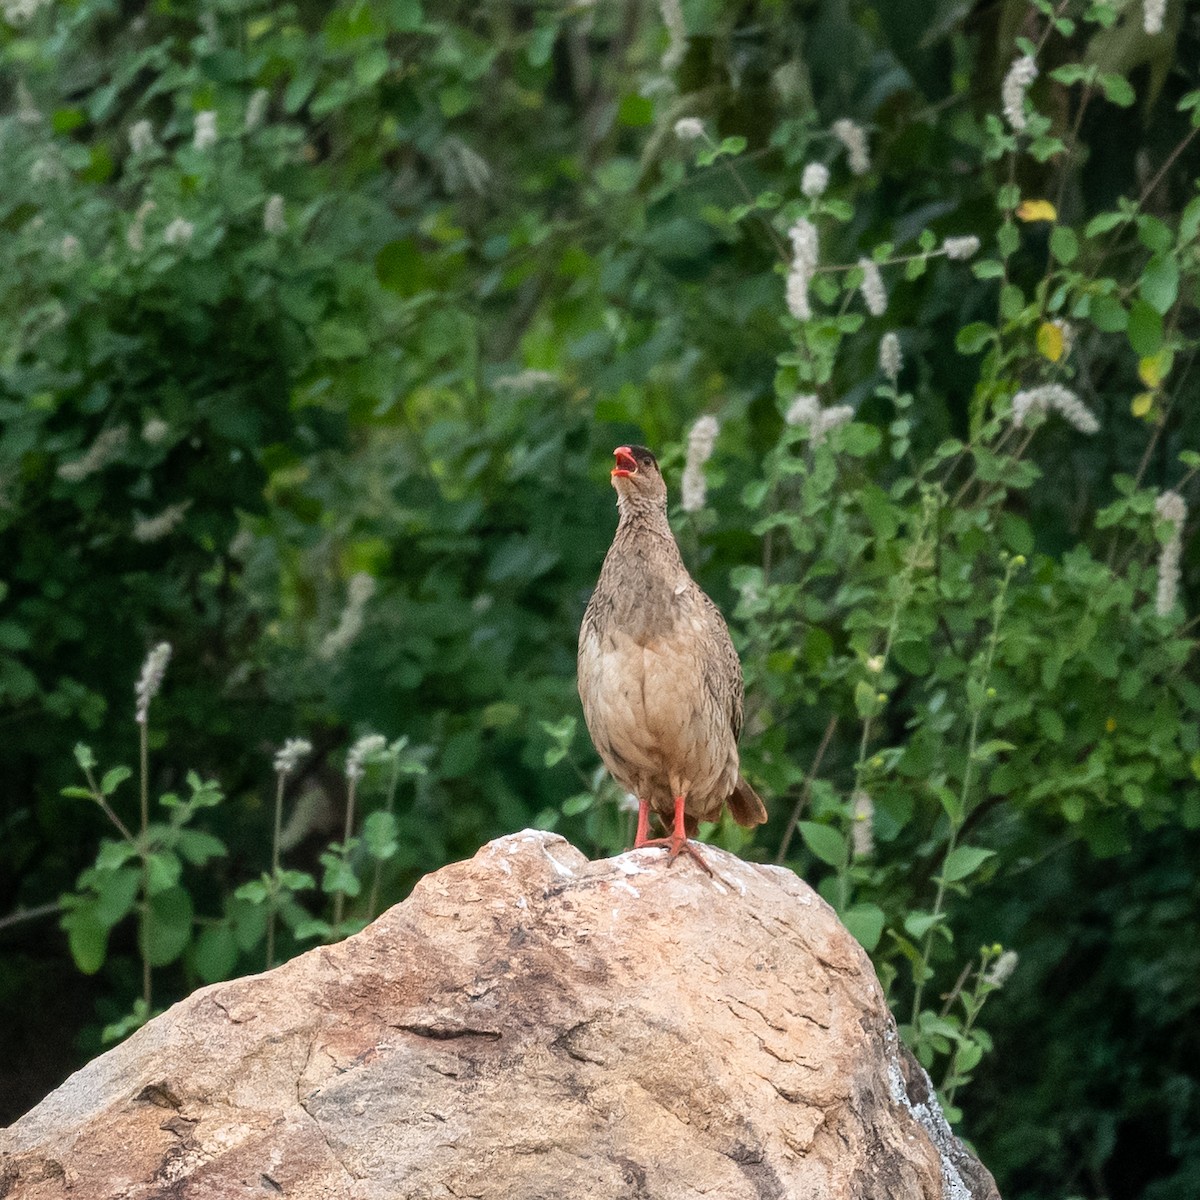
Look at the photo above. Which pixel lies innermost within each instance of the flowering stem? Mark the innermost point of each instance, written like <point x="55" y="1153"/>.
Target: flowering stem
<point x="972" y="1007"/>
<point x="956" y="820"/>
<point x="144" y="757"/>
<point x="143" y="850"/>
<point x="339" y="901"/>
<point x="393" y="784"/>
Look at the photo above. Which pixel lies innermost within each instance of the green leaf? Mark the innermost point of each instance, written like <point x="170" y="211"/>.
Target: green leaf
<point x="113" y="779"/>
<point x="1189" y="221"/>
<point x="918" y="923"/>
<point x="112" y="855"/>
<point x="857" y="439"/>
<point x="824" y="842"/>
<point x="84" y="757"/>
<point x="198" y="847"/>
<point x="118" y="1030"/>
<point x="1064" y="245"/>
<point x="580" y="803"/>
<point x="865" y="922"/>
<point x="1108" y="314"/>
<point x="400" y="267"/>
<point x="249" y="921"/>
<point x="1073" y="808"/>
<point x="87" y="939"/>
<point x="116" y="892"/>
<point x="1008" y="196"/>
<point x="1159" y="284"/>
<point x="379" y="833"/>
<point x="634" y="110"/>
<point x="166" y="926"/>
<point x="65" y="120"/>
<point x="1155" y="235"/>
<point x="215" y="953"/>
<point x="1145" y="329"/>
<point x="963" y="861"/>
<point x="1012" y="301"/>
<point x="339" y="876"/>
<point x="253" y="892"/>
<point x="865" y="699"/>
<point x="1103" y="223"/>
<point x="1117" y="89"/>
<point x="163" y="870"/>
<point x="973" y="337"/>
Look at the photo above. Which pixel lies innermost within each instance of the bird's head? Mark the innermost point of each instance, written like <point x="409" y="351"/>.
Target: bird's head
<point x="638" y="480"/>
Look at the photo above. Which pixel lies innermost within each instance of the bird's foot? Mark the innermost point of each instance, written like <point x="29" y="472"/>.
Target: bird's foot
<point x="676" y="846"/>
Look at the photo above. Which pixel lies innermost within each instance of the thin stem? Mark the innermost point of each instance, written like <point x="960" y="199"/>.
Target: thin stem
<point x="956" y="990"/>
<point x="30" y="914"/>
<point x="273" y="897"/>
<point x="144" y="758"/>
<point x="144" y="762"/>
<point x="780" y="248"/>
<point x="805" y="790"/>
<point x="101" y="800"/>
<point x="393" y="784"/>
<point x="1148" y="190"/>
<point x="339" y="901"/>
<point x="973" y="1006"/>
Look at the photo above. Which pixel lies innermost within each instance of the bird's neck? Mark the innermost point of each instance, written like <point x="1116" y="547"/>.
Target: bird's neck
<point x="642" y="519"/>
<point x="644" y="535"/>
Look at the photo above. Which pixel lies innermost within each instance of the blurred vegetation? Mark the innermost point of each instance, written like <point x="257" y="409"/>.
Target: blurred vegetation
<point x="319" y="324"/>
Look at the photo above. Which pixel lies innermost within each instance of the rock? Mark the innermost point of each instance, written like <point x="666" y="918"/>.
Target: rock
<point x="528" y="1024"/>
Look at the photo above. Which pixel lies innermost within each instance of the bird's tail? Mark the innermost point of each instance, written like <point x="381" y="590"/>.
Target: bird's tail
<point x="746" y="806"/>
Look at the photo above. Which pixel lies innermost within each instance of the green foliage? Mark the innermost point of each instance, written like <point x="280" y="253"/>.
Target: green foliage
<point x="318" y="324"/>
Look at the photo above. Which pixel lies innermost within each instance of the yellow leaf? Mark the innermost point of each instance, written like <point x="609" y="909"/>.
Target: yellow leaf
<point x="1037" y="210"/>
<point x="1142" y="403"/>
<point x="1050" y="341"/>
<point x="1153" y="370"/>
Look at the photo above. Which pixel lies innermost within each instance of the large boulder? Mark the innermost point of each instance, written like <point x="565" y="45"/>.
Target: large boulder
<point x="527" y="1024"/>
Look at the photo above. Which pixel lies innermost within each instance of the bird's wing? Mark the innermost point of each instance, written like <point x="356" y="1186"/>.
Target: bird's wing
<point x="723" y="668"/>
<point x="587" y="661"/>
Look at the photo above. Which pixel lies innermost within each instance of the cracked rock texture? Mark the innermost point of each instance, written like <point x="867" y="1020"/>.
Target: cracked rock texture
<point x="527" y="1024"/>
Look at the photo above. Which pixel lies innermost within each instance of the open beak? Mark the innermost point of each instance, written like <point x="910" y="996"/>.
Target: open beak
<point x="626" y="464"/>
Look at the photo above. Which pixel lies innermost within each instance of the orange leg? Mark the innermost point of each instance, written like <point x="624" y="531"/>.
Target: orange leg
<point x="643" y="826"/>
<point x="677" y="843"/>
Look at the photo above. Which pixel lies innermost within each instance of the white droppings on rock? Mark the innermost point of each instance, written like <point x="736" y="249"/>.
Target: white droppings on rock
<point x="624" y="864"/>
<point x="626" y="886"/>
<point x="560" y="869"/>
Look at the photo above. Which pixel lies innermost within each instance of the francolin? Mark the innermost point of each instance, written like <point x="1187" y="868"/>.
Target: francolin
<point x="659" y="678"/>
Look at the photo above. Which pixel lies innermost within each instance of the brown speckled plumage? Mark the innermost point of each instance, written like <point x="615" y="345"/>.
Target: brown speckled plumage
<point x="659" y="678"/>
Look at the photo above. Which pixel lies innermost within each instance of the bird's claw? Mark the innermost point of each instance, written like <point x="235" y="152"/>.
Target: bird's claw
<point x="675" y="846"/>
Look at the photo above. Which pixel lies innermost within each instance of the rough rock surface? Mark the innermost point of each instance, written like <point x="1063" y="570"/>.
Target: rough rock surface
<point x="528" y="1024"/>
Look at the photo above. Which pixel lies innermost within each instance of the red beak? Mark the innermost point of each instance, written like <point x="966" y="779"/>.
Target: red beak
<point x="626" y="463"/>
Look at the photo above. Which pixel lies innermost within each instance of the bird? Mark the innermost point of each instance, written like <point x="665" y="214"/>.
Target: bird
<point x="659" y="679"/>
